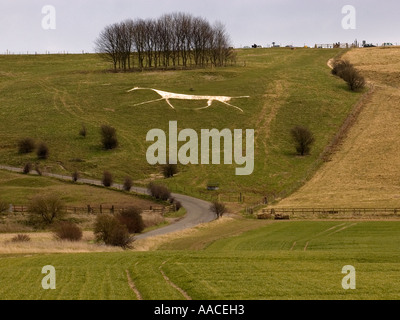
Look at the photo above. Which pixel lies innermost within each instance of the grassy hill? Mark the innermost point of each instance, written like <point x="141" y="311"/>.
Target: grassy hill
<point x="281" y="260"/>
<point x="48" y="98"/>
<point x="365" y="172"/>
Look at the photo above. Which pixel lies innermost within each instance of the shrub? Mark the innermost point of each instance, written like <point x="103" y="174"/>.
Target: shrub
<point x="75" y="176"/>
<point x="47" y="207"/>
<point x="27" y="168"/>
<point x="21" y="238"/>
<point x="109" y="230"/>
<point x="353" y="78"/>
<point x="104" y="226"/>
<point x="42" y="151"/>
<point x="128" y="184"/>
<point x="107" y="179"/>
<point x="83" y="131"/>
<point x="66" y="230"/>
<point x="345" y="70"/>
<point x="178" y="205"/>
<point x="120" y="237"/>
<point x="4" y="206"/>
<point x="26" y="145"/>
<point x="159" y="192"/>
<point x="109" y="137"/>
<point x="218" y="208"/>
<point x="132" y="219"/>
<point x="302" y="139"/>
<point x="169" y="170"/>
<point x="339" y="66"/>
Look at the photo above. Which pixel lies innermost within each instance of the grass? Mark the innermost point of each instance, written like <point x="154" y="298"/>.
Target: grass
<point x="62" y="92"/>
<point x="261" y="263"/>
<point x="18" y="189"/>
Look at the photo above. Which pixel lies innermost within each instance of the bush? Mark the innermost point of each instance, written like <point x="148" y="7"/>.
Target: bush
<point x="169" y="170"/>
<point x="132" y="219"/>
<point x="303" y="139"/>
<point x="26" y="145"/>
<point x="109" y="230"/>
<point x="42" y="151"/>
<point x="176" y="203"/>
<point x="83" y="131"/>
<point x="104" y="226"/>
<point x="47" y="208"/>
<point x="107" y="179"/>
<point x="21" y="238"/>
<point x="345" y="70"/>
<point x="353" y="78"/>
<point x="67" y="231"/>
<point x="128" y="184"/>
<point x="109" y="137"/>
<point x="339" y="66"/>
<point x="27" y="168"/>
<point x="75" y="176"/>
<point x="218" y="208"/>
<point x="120" y="237"/>
<point x="159" y="192"/>
<point x="4" y="206"/>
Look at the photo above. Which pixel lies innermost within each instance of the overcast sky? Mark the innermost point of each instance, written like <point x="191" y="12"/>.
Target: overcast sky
<point x="286" y="22"/>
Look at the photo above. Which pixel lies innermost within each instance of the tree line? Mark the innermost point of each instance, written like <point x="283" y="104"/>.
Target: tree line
<point x="173" y="40"/>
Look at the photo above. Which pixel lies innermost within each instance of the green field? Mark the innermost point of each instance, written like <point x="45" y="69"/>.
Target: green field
<point x="19" y="189"/>
<point x="48" y="98"/>
<point x="259" y="264"/>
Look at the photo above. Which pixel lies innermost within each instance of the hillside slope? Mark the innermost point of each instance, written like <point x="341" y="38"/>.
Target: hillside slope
<point x="365" y="172"/>
<point x="48" y="98"/>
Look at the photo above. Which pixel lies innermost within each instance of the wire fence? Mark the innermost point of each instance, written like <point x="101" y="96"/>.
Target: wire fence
<point x="267" y="213"/>
<point x="93" y="209"/>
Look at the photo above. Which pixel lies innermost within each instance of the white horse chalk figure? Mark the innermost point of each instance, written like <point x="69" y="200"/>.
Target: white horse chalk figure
<point x="169" y="95"/>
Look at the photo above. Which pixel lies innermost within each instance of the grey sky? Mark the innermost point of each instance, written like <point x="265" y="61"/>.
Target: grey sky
<point x="296" y="22"/>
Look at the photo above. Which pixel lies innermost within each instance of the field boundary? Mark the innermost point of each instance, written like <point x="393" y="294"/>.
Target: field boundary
<point x="290" y="213"/>
<point x="94" y="209"/>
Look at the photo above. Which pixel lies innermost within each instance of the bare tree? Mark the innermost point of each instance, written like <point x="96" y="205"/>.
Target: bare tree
<point x="303" y="139"/>
<point x="176" y="38"/>
<point x="107" y="44"/>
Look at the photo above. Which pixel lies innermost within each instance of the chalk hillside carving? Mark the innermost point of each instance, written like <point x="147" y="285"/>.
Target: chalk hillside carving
<point x="167" y="96"/>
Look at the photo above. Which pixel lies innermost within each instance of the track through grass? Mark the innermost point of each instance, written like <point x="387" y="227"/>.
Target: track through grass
<point x="258" y="264"/>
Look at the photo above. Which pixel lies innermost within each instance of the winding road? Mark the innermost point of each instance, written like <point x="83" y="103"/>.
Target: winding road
<point x="197" y="210"/>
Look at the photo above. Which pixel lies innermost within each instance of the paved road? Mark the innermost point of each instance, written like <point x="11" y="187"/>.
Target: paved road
<point x="198" y="211"/>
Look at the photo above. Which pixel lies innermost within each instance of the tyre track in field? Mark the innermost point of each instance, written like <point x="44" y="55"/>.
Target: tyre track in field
<point x="332" y="231"/>
<point x="133" y="287"/>
<point x="173" y="285"/>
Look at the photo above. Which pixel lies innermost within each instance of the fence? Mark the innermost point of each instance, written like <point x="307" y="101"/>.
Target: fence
<point x="326" y="212"/>
<point x="215" y="195"/>
<point x="89" y="209"/>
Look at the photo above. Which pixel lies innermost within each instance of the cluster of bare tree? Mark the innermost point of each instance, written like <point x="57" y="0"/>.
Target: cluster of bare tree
<point x="173" y="40"/>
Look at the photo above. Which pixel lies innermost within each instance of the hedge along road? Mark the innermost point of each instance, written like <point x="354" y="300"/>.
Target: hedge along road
<point x="197" y="210"/>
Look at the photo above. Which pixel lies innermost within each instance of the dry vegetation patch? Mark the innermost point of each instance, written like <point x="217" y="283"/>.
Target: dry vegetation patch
<point x="365" y="171"/>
